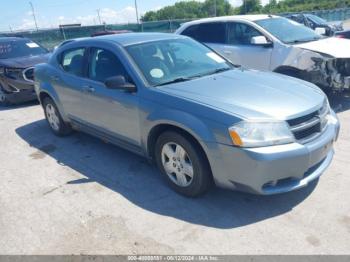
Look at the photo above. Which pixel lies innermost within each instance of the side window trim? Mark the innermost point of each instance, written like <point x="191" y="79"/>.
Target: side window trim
<point x="61" y="56"/>
<point x="89" y="57"/>
<point x="239" y="22"/>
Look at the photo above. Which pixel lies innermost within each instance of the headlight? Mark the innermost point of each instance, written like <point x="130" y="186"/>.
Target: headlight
<point x="12" y="72"/>
<point x="2" y="70"/>
<point x="260" y="133"/>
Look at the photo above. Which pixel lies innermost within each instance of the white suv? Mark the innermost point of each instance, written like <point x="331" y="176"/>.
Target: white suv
<point x="274" y="43"/>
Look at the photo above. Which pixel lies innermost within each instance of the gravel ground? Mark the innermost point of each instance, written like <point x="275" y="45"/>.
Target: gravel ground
<point x="78" y="195"/>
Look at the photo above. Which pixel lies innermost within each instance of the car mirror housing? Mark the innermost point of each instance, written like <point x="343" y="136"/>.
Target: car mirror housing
<point x="260" y="41"/>
<point x="119" y="82"/>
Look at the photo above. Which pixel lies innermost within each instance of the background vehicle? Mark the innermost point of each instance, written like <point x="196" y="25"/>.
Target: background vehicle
<point x="317" y="23"/>
<point x="18" y="56"/>
<point x="276" y="44"/>
<point x="171" y="99"/>
<point x="110" y="32"/>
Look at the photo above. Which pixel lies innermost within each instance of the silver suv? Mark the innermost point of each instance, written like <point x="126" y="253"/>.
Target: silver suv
<point x="278" y="44"/>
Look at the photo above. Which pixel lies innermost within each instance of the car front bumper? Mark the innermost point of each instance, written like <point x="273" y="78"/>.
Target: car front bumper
<point x="274" y="169"/>
<point x="17" y="91"/>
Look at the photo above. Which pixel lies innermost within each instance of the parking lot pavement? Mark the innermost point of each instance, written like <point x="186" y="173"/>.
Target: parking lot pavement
<point x="78" y="195"/>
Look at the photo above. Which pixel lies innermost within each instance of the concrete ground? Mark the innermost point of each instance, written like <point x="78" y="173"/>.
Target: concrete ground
<point x="77" y="195"/>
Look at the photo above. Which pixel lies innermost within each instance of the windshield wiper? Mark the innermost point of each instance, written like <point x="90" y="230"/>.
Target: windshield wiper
<point x="304" y="40"/>
<point x="184" y="79"/>
<point x="176" y="80"/>
<point x="216" y="71"/>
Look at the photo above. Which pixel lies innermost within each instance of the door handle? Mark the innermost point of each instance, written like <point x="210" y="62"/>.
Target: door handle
<point x="88" y="89"/>
<point x="227" y="52"/>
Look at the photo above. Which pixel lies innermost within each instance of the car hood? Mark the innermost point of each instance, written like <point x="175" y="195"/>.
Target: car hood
<point x="24" y="62"/>
<point x="252" y="94"/>
<point x="335" y="47"/>
<point x="337" y="25"/>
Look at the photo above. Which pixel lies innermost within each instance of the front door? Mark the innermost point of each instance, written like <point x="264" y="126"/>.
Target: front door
<point x="114" y="112"/>
<point x="240" y="50"/>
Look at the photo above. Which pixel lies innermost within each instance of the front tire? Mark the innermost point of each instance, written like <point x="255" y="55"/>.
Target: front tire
<point x="183" y="163"/>
<point x="53" y="117"/>
<point x="3" y="98"/>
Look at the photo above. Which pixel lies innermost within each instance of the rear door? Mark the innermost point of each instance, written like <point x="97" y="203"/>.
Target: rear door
<point x="69" y="83"/>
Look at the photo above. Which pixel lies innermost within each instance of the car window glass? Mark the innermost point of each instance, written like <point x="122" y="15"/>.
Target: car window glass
<point x="288" y="31"/>
<point x="298" y="18"/>
<point x="241" y="34"/>
<point x="20" y="48"/>
<point x="191" y="31"/>
<point x="207" y="33"/>
<point x="170" y="59"/>
<point x="73" y="61"/>
<point x="104" y="64"/>
<point x="212" y="33"/>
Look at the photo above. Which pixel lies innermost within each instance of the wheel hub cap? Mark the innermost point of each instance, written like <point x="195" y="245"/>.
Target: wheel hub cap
<point x="177" y="164"/>
<point x="52" y="117"/>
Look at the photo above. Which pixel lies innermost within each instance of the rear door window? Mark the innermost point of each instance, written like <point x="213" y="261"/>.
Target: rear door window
<point x="72" y="61"/>
<point x="207" y="32"/>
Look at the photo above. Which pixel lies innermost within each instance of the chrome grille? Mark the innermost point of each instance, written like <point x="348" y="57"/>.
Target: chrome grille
<point x="310" y="126"/>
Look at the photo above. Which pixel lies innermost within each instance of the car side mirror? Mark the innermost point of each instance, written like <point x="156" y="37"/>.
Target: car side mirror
<point x="260" y="41"/>
<point x="119" y="82"/>
<point x="320" y="30"/>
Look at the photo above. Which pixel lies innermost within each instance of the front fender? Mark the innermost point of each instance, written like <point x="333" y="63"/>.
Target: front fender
<point x="47" y="89"/>
<point x="180" y="119"/>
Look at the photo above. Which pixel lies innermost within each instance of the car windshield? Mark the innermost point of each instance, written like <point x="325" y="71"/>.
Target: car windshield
<point x="20" y="48"/>
<point x="316" y="19"/>
<point x="288" y="31"/>
<point x="176" y="60"/>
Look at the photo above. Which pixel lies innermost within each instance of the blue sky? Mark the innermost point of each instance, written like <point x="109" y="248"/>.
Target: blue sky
<point x="16" y="14"/>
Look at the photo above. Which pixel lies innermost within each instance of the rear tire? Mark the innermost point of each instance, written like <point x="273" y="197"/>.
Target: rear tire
<point x="54" y="119"/>
<point x="183" y="163"/>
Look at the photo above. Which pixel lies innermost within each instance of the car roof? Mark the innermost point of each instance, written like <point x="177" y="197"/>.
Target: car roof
<point x="250" y="18"/>
<point x="133" y="38"/>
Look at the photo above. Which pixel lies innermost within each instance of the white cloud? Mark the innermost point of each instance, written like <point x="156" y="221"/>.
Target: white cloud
<point x="26" y="24"/>
<point x="108" y="15"/>
<point x="236" y="3"/>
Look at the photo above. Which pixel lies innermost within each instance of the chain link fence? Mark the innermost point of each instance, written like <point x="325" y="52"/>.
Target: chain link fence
<point x="52" y="37"/>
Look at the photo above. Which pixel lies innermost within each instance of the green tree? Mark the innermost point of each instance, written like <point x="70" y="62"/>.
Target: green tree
<point x="217" y="8"/>
<point x="191" y="10"/>
<point x="250" y="6"/>
<point x="195" y="9"/>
